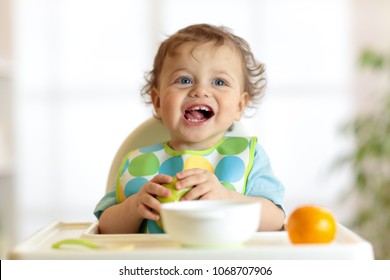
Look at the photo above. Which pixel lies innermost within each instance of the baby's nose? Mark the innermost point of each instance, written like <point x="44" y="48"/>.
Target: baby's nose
<point x="199" y="91"/>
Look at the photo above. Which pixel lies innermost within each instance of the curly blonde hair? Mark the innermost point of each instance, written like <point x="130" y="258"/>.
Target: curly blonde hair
<point x="254" y="72"/>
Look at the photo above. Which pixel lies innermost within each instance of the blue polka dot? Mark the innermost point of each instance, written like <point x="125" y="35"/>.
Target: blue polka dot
<point x="134" y="185"/>
<point x="153" y="227"/>
<point x="151" y="149"/>
<point x="125" y="167"/>
<point x="172" y="166"/>
<point x="230" y="169"/>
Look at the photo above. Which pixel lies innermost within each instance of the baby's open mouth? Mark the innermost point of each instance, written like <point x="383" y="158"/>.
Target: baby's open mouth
<point x="198" y="113"/>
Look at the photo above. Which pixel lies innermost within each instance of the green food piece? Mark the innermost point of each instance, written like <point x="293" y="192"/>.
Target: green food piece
<point x="79" y="241"/>
<point x="175" y="196"/>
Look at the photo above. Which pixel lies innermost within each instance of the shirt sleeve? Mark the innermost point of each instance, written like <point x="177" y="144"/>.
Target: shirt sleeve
<point x="262" y="182"/>
<point x="108" y="200"/>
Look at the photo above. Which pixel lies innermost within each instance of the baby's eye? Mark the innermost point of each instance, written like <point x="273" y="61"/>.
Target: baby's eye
<point x="219" y="82"/>
<point x="184" y="80"/>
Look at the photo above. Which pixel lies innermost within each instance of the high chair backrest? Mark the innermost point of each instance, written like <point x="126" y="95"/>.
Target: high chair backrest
<point x="148" y="133"/>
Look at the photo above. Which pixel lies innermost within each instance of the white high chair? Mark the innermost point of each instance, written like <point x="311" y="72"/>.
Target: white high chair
<point x="150" y="132"/>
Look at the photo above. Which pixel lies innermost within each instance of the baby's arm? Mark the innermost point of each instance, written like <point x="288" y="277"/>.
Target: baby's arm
<point x="127" y="217"/>
<point x="264" y="186"/>
<point x="121" y="218"/>
<point x="271" y="218"/>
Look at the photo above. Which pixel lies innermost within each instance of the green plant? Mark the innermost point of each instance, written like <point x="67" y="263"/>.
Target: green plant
<point x="370" y="163"/>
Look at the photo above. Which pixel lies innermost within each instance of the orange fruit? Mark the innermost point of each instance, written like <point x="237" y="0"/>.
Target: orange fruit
<point x="311" y="224"/>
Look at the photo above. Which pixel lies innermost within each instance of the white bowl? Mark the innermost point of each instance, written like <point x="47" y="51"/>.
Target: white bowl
<point x="211" y="223"/>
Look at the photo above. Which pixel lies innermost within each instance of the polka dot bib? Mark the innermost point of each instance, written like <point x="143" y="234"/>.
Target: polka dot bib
<point x="230" y="160"/>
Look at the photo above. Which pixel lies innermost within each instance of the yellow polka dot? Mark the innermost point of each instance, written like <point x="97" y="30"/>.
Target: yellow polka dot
<point x="198" y="162"/>
<point x="120" y="193"/>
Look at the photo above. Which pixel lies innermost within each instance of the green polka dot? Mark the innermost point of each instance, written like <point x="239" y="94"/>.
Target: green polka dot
<point x="228" y="185"/>
<point x="233" y="146"/>
<point x="144" y="165"/>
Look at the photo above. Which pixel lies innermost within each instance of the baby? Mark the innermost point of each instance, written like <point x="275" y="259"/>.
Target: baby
<point x="203" y="79"/>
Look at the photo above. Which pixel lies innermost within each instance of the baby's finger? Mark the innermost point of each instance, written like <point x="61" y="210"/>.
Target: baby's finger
<point x="151" y="203"/>
<point x="161" y="179"/>
<point x="147" y="213"/>
<point x="155" y="189"/>
<point x="188" y="173"/>
<point x="194" y="179"/>
<point x="196" y="192"/>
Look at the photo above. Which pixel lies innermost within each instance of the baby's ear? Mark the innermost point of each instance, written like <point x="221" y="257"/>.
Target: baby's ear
<point x="242" y="104"/>
<point x="156" y="102"/>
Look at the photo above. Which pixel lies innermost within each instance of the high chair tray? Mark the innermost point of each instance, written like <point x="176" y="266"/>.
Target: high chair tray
<point x="263" y="245"/>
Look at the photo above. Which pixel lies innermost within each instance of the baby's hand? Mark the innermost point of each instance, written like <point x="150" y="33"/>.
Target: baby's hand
<point x="147" y="204"/>
<point x="205" y="185"/>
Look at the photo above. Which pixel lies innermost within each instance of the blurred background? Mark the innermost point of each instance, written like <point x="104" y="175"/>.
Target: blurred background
<point x="71" y="73"/>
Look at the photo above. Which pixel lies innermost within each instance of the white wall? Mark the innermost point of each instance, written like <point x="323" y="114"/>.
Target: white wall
<point x="79" y="64"/>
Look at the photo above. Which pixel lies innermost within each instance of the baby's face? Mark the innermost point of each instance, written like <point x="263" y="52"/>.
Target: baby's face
<point x="200" y="94"/>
